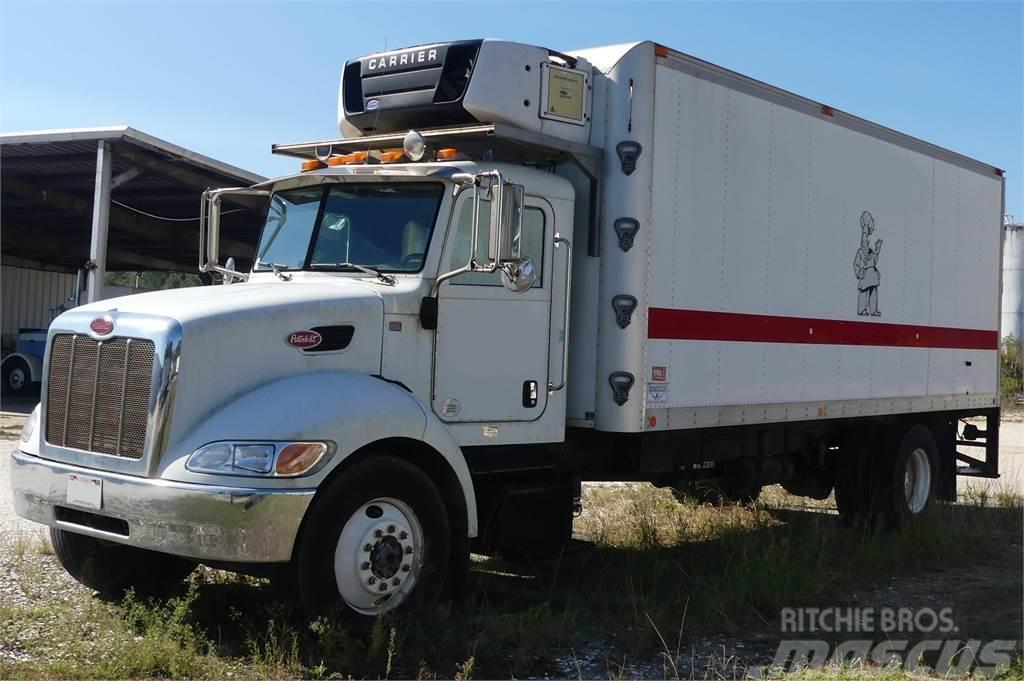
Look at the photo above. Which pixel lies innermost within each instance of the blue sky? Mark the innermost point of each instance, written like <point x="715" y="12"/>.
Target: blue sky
<point x="228" y="79"/>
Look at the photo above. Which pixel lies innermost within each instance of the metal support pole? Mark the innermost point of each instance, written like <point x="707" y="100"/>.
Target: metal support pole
<point x="100" y="223"/>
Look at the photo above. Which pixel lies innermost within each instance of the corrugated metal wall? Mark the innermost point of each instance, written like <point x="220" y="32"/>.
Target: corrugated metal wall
<point x="26" y="297"/>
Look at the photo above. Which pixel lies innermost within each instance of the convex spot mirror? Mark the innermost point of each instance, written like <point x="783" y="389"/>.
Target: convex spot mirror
<point x="518" y="275"/>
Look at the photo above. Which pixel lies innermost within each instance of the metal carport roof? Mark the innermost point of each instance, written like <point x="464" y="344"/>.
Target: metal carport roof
<point x="49" y="178"/>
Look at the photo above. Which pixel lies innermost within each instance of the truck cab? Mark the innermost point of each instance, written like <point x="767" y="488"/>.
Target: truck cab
<point x="408" y="303"/>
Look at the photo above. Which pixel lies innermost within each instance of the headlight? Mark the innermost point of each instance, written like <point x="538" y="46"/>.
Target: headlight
<point x="271" y="459"/>
<point x="30" y="425"/>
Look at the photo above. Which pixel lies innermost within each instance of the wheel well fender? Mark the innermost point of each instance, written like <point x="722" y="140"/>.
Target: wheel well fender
<point x="359" y="413"/>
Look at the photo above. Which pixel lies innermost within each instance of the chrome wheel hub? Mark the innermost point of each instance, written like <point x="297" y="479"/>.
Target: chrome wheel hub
<point x="16" y="381"/>
<point x="917" y="480"/>
<point x="378" y="556"/>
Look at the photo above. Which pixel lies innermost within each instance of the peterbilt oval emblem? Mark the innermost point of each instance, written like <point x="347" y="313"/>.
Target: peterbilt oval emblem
<point x="102" y="326"/>
<point x="372" y="104"/>
<point x="304" y="340"/>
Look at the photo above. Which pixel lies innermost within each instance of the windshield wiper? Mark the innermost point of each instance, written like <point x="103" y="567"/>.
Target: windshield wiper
<point x="276" y="267"/>
<point x="351" y="266"/>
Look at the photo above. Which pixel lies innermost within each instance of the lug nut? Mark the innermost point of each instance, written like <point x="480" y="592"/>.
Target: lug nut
<point x="383" y="586"/>
<point x="368" y="548"/>
<point x="403" y="535"/>
<point x="391" y="529"/>
<point x="408" y="550"/>
<point x="365" y="566"/>
<point x="378" y="534"/>
<point x="396" y="581"/>
<point x="371" y="580"/>
<point x="406" y="568"/>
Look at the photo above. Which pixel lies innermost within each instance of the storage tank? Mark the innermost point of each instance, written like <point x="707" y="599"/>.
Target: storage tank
<point x="1012" y="320"/>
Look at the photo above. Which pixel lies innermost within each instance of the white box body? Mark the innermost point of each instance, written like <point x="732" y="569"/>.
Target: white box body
<point x="756" y="300"/>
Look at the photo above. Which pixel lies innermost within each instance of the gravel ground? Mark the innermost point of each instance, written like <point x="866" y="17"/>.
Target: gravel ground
<point x="10" y="524"/>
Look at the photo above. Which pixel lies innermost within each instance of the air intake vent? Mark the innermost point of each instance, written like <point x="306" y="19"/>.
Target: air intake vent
<point x="333" y="338"/>
<point x="458" y="67"/>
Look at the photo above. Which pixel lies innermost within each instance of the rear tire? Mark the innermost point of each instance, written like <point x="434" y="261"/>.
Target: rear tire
<point x="852" y="483"/>
<point x="376" y="539"/>
<point x="112" y="569"/>
<point x="908" y="477"/>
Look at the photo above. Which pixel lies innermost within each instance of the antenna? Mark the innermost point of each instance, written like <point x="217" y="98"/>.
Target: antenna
<point x="376" y="115"/>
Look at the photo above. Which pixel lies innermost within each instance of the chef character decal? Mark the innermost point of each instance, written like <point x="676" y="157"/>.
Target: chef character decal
<point x="865" y="267"/>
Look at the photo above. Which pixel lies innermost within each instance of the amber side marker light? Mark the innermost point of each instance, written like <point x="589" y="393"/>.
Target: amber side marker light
<point x="391" y="155"/>
<point x="312" y="164"/>
<point x="447" y="154"/>
<point x="299" y="457"/>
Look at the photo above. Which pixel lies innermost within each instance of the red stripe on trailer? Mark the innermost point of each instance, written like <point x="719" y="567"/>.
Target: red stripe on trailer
<point x="669" y="324"/>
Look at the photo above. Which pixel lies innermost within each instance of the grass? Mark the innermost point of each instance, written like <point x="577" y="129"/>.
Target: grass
<point x="666" y="591"/>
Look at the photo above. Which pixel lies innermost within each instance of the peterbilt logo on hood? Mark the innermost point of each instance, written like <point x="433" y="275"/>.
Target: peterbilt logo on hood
<point x="304" y="340"/>
<point x="102" y="326"/>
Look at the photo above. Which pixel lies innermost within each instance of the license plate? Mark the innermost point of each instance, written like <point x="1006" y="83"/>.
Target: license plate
<point x="85" y="491"/>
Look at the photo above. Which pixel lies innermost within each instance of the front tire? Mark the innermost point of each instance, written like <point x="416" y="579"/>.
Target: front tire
<point x="377" y="538"/>
<point x="112" y="569"/>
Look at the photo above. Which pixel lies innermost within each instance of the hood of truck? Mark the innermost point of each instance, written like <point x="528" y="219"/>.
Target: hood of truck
<point x="238" y="337"/>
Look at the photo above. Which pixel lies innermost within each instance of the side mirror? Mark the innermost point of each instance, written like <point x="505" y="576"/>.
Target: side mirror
<point x="209" y="230"/>
<point x="518" y="275"/>
<point x="506" y="221"/>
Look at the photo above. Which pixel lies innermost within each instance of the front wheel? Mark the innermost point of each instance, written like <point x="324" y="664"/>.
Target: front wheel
<point x="113" y="568"/>
<point x="377" y="538"/>
<point x="17" y="377"/>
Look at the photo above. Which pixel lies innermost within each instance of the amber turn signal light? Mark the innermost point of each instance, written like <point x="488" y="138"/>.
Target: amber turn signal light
<point x="299" y="457"/>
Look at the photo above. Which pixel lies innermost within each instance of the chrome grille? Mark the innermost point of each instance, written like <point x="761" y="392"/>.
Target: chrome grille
<point x="97" y="395"/>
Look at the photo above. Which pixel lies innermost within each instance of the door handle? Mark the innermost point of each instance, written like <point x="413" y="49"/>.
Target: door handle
<point x="530" y="394"/>
<point x="553" y="387"/>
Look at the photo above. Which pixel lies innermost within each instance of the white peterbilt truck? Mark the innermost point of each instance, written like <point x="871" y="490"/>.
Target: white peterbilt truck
<point x="517" y="270"/>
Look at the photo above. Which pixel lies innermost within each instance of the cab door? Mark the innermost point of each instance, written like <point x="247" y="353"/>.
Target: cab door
<point x="492" y="346"/>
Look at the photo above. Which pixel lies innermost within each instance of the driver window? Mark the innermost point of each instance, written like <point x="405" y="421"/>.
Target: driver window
<point x="532" y="238"/>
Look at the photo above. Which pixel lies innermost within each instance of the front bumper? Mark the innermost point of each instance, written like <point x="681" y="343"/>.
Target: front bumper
<point x="206" y="522"/>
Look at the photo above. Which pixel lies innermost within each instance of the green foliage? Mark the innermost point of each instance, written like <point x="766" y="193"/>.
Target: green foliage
<point x="1011" y="372"/>
<point x="153" y="281"/>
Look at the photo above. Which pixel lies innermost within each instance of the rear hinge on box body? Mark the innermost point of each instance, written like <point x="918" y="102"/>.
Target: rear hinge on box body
<point x="625" y="230"/>
<point x="628" y="151"/>
<point x="624" y="306"/>
<point x="621" y="382"/>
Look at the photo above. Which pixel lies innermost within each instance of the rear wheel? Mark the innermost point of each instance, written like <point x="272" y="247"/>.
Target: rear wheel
<point x="888" y="479"/>
<point x="377" y="538"/>
<point x="908" y="477"/>
<point x="112" y="568"/>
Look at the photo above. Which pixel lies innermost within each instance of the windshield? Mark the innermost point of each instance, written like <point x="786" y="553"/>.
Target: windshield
<point x="385" y="227"/>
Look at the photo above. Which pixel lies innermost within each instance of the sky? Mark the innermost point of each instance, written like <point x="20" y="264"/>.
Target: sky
<point x="228" y="79"/>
